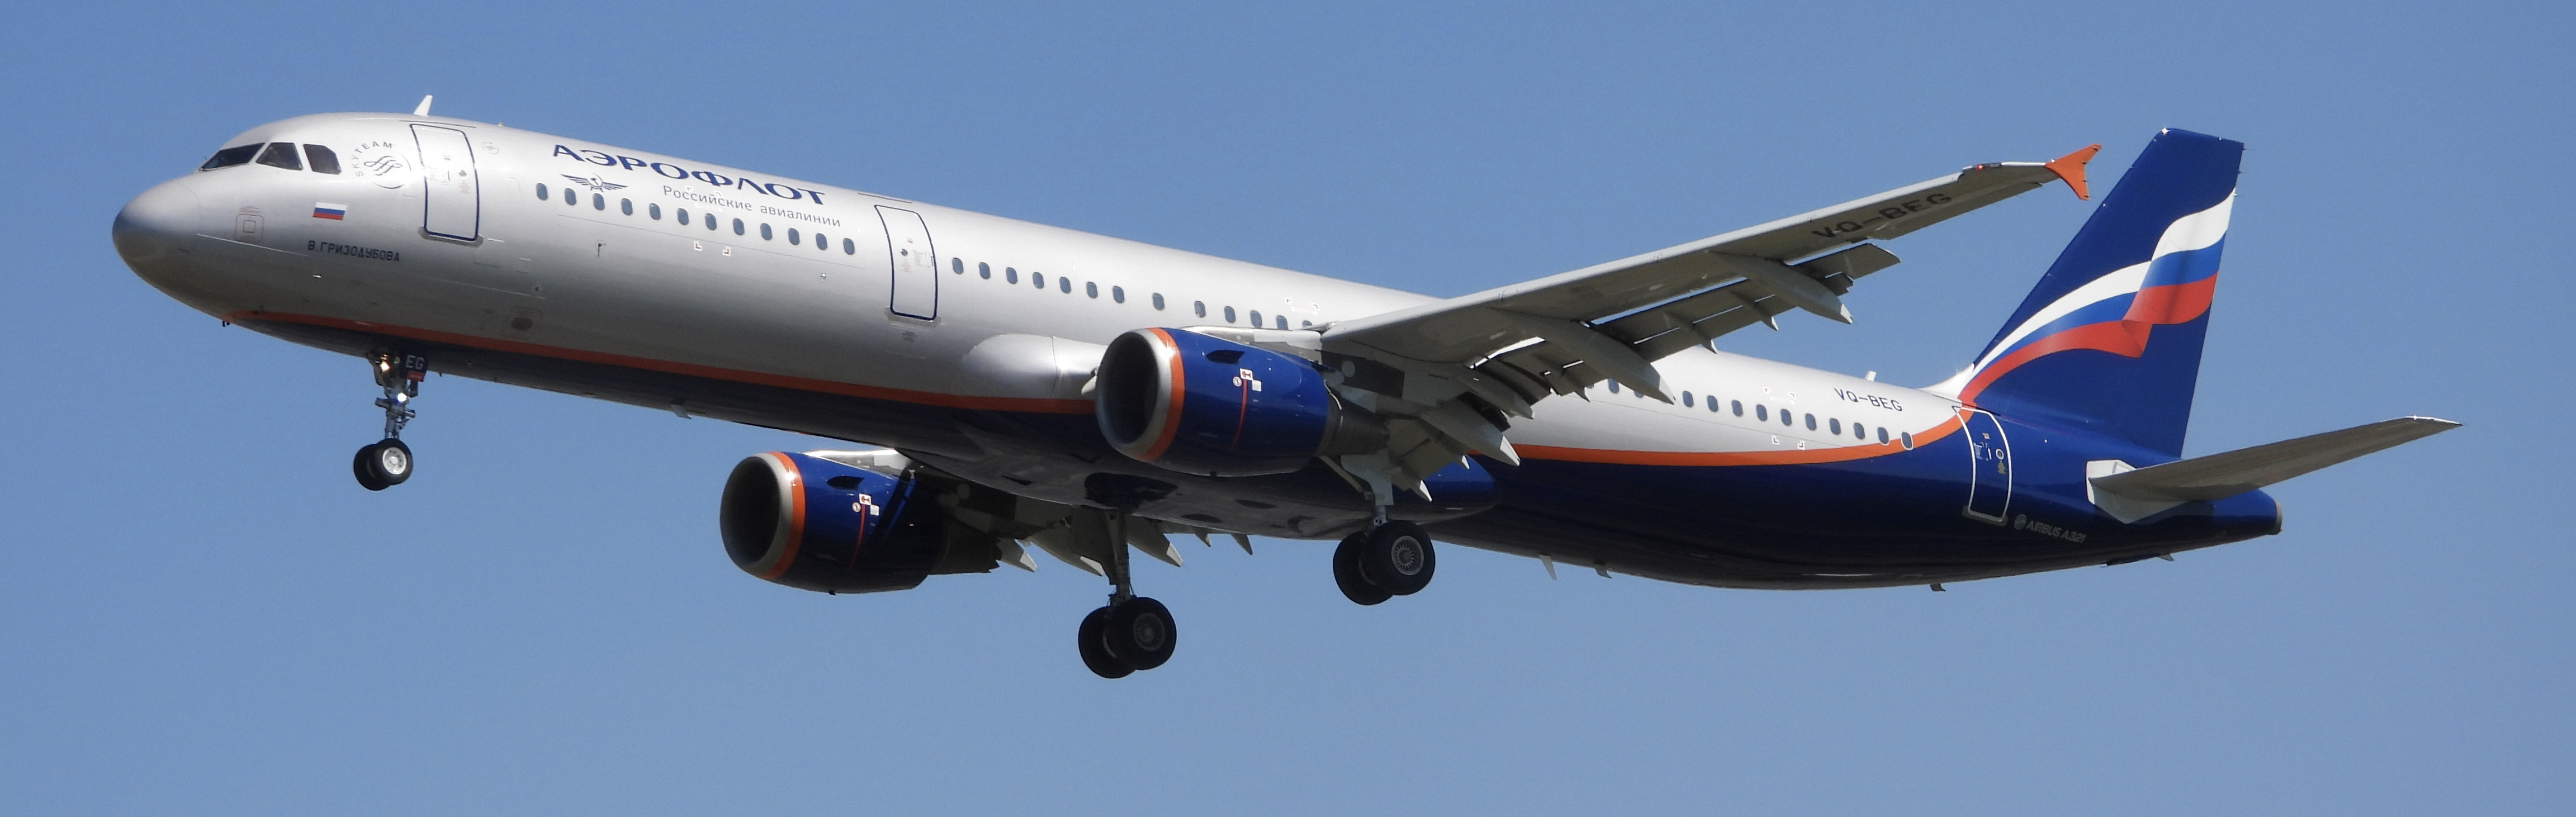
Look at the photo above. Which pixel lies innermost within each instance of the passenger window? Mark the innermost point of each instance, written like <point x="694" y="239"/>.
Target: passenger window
<point x="1158" y="302"/>
<point x="542" y="194"/>
<point x="711" y="221"/>
<point x="1199" y="308"/>
<point x="1908" y="437"/>
<point x="1882" y="435"/>
<point x="1835" y="426"/>
<point x="1686" y="400"/>
<point x="848" y="248"/>
<point x="626" y="206"/>
<point x="1860" y="431"/>
<point x="571" y="199"/>
<point x="1788" y="419"/>
<point x="683" y="216"/>
<point x="983" y="270"/>
<point x="1037" y="279"/>
<point x="322" y="159"/>
<point x="954" y="263"/>
<point x="1229" y="314"/>
<point x="227" y="157"/>
<point x="1739" y="407"/>
<point x="1118" y="294"/>
<point x="1613" y="384"/>
<point x="1280" y="321"/>
<point x="1761" y="412"/>
<point x="764" y="231"/>
<point x="281" y="154"/>
<point x="1256" y="317"/>
<point x="822" y="243"/>
<point x="1065" y="284"/>
<point x="598" y="201"/>
<point x="1090" y="289"/>
<point x="793" y="237"/>
<point x="1011" y="275"/>
<point x="654" y="210"/>
<point x="737" y="226"/>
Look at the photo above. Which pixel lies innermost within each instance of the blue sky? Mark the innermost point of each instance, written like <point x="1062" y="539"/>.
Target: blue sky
<point x="199" y="613"/>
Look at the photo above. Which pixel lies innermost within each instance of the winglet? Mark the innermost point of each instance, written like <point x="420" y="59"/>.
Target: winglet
<point x="423" y="110"/>
<point x="2071" y="168"/>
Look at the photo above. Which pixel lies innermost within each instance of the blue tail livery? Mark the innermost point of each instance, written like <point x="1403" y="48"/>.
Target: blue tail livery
<point x="2111" y="337"/>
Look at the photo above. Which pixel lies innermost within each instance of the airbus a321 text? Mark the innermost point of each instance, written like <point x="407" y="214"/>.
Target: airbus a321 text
<point x="1007" y="384"/>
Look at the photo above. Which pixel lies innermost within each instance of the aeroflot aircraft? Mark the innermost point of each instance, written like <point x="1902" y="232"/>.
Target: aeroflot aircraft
<point x="1015" y="384"/>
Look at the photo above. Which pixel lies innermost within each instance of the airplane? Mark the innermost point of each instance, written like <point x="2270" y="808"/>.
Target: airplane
<point x="1005" y="385"/>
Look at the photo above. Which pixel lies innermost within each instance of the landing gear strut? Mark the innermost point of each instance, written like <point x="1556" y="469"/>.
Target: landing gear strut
<point x="388" y="462"/>
<point x="1389" y="559"/>
<point x="1132" y="632"/>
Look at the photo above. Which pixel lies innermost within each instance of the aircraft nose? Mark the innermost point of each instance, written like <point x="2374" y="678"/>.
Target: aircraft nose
<point x="149" y="228"/>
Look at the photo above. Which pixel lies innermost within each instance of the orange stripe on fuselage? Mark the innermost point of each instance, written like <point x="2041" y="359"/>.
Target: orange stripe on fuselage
<point x="1791" y="457"/>
<point x="1023" y="404"/>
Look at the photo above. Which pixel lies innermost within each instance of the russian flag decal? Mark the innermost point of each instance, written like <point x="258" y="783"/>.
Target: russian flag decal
<point x="334" y="212"/>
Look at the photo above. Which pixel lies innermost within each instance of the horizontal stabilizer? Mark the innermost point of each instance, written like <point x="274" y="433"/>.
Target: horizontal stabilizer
<point x="2135" y="493"/>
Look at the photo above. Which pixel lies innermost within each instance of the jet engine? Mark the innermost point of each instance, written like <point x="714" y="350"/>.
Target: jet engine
<point x="812" y="523"/>
<point x="1202" y="405"/>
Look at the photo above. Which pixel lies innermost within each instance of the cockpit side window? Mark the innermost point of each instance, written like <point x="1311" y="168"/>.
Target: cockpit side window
<point x="281" y="154"/>
<point x="322" y="159"/>
<point x="227" y="157"/>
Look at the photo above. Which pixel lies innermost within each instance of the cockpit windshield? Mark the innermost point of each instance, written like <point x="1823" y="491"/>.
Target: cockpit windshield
<point x="282" y="155"/>
<point x="278" y="155"/>
<point x="322" y="159"/>
<point x="227" y="157"/>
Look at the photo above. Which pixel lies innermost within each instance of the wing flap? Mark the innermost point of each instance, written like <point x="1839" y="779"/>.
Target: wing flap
<point x="1447" y="373"/>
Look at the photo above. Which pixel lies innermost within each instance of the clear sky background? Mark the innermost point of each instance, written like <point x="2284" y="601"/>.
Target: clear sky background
<point x="200" y="613"/>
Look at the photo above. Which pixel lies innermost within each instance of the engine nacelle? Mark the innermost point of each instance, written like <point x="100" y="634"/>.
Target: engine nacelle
<point x="1200" y="405"/>
<point x="815" y="524"/>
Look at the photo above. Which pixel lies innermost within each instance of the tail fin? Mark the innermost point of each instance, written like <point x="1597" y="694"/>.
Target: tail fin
<point x="2111" y="337"/>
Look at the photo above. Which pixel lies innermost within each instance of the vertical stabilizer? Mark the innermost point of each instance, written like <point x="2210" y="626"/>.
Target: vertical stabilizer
<point x="2110" y="339"/>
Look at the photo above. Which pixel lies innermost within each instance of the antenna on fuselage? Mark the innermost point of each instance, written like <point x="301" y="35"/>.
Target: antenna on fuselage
<point x="423" y="110"/>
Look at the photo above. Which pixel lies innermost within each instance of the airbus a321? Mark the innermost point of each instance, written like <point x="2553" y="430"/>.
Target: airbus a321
<point x="1007" y="385"/>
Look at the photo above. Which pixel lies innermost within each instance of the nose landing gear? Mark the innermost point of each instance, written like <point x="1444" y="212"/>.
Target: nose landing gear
<point x="387" y="463"/>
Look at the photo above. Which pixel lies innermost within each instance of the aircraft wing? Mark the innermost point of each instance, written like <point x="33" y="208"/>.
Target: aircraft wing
<point x="1515" y="345"/>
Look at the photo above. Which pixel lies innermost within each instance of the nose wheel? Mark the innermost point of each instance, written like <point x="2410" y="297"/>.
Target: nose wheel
<point x="383" y="465"/>
<point x="388" y="462"/>
<point x="1388" y="560"/>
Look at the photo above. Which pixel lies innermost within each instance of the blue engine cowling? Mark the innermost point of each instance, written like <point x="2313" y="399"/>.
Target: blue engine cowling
<point x="815" y="524"/>
<point x="1201" y="405"/>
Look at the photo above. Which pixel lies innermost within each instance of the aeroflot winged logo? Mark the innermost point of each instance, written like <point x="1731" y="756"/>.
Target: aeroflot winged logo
<point x="677" y="173"/>
<point x="2116" y="312"/>
<point x="594" y="183"/>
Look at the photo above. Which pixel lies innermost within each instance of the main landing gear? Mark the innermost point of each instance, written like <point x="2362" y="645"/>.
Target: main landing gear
<point x="1132" y="632"/>
<point x="388" y="462"/>
<point x="1389" y="559"/>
